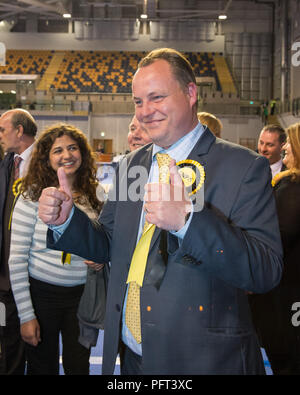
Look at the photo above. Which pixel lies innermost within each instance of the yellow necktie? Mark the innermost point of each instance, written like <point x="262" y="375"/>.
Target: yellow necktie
<point x="139" y="261"/>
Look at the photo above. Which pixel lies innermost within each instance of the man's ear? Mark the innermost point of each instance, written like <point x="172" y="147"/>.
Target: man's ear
<point x="193" y="93"/>
<point x="20" y="131"/>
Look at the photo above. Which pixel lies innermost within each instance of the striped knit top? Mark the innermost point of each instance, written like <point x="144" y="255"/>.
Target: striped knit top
<point x="29" y="256"/>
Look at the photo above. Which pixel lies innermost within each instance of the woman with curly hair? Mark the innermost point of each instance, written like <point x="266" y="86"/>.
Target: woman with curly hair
<point x="47" y="285"/>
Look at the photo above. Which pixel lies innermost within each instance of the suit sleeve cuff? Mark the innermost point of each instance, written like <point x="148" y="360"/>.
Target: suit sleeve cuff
<point x="58" y="230"/>
<point x="181" y="232"/>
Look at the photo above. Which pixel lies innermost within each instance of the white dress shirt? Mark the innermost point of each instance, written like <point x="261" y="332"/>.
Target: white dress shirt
<point x="276" y="167"/>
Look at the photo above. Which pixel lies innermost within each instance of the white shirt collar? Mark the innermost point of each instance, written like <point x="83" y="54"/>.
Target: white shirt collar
<point x="25" y="155"/>
<point x="276" y="167"/>
<point x="181" y="149"/>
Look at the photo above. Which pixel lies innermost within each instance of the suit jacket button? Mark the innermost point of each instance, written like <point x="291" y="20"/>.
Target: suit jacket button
<point x="118" y="308"/>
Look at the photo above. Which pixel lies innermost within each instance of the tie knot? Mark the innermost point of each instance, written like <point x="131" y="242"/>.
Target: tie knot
<point x="163" y="161"/>
<point x="17" y="161"/>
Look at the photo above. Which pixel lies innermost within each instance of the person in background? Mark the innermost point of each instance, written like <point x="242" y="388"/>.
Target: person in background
<point x="176" y="301"/>
<point x="212" y="122"/>
<point x="273" y="312"/>
<point x="100" y="149"/>
<point x="48" y="285"/>
<point x="270" y="144"/>
<point x="265" y="112"/>
<point x="129" y="140"/>
<point x="273" y="106"/>
<point x="17" y="137"/>
<point x="137" y="135"/>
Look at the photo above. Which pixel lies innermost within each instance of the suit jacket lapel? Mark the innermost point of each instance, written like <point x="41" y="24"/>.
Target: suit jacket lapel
<point x="203" y="145"/>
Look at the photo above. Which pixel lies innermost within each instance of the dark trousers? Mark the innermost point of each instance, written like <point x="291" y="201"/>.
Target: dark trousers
<point x="56" y="310"/>
<point x="12" y="356"/>
<point x="131" y="363"/>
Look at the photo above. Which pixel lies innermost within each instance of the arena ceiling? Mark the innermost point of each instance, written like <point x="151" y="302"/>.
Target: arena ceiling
<point x="118" y="9"/>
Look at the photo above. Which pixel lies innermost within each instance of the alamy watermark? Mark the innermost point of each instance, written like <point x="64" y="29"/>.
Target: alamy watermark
<point x="130" y="186"/>
<point x="296" y="55"/>
<point x="2" y="314"/>
<point x="296" y="316"/>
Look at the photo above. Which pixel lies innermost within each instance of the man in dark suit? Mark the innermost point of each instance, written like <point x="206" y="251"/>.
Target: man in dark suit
<point x="207" y="250"/>
<point x="17" y="136"/>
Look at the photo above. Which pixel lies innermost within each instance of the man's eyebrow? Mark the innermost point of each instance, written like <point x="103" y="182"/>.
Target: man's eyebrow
<point x="157" y="91"/>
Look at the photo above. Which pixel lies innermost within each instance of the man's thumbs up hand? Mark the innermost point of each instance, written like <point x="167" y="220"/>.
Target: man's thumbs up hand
<point x="167" y="205"/>
<point x="175" y="178"/>
<point x="55" y="204"/>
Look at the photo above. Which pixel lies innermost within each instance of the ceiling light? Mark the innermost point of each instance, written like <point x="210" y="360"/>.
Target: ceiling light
<point x="67" y="15"/>
<point x="144" y="16"/>
<point x="223" y="17"/>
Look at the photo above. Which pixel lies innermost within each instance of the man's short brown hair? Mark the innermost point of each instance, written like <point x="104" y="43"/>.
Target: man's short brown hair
<point x="181" y="67"/>
<point x="276" y="129"/>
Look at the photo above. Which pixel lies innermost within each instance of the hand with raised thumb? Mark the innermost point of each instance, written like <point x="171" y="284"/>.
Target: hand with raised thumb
<point x="175" y="178"/>
<point x="167" y="205"/>
<point x="55" y="204"/>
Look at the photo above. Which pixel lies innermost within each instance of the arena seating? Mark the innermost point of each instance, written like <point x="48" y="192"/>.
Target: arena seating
<point x="92" y="71"/>
<point x="95" y="71"/>
<point x="26" y="62"/>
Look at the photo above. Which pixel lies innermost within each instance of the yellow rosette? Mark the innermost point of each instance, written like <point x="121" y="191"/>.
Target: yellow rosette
<point x="16" y="190"/>
<point x="192" y="174"/>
